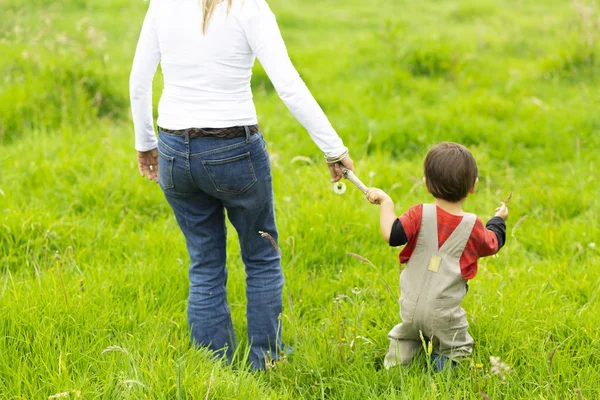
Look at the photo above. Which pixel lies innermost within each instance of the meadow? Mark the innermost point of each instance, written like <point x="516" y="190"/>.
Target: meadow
<point x="93" y="268"/>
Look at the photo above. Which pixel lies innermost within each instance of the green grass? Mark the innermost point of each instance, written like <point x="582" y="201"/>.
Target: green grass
<point x="93" y="278"/>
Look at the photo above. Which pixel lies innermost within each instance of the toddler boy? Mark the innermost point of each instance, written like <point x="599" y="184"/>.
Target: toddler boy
<point x="443" y="244"/>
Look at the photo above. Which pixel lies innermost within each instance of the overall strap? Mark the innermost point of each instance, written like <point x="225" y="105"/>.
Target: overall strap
<point x="455" y="244"/>
<point x="428" y="233"/>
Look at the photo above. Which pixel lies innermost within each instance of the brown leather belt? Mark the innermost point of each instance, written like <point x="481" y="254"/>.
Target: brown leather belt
<point x="231" y="132"/>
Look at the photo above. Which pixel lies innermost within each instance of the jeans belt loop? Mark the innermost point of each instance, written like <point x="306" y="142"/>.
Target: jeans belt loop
<point x="247" y="130"/>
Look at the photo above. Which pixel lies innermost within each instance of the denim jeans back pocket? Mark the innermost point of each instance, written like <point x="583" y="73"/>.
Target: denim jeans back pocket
<point x="165" y="170"/>
<point x="233" y="175"/>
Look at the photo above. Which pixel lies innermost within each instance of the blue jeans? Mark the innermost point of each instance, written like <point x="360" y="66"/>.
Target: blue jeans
<point x="201" y="178"/>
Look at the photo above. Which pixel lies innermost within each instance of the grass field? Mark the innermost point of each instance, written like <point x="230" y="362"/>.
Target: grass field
<point x="93" y="278"/>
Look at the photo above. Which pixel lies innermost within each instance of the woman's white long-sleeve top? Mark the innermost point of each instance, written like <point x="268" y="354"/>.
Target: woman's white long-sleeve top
<point x="207" y="76"/>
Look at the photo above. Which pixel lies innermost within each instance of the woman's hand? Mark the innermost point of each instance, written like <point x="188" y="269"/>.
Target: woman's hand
<point x="336" y="168"/>
<point x="148" y="164"/>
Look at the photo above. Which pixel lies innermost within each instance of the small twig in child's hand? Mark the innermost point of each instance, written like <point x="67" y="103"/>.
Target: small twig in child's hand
<point x="270" y="239"/>
<point x="508" y="199"/>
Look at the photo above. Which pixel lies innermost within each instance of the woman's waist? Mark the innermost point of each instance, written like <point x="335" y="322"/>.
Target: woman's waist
<point x="209" y="98"/>
<point x="184" y="115"/>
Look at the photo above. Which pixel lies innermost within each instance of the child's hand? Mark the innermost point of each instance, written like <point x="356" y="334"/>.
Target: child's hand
<point x="377" y="196"/>
<point x="502" y="212"/>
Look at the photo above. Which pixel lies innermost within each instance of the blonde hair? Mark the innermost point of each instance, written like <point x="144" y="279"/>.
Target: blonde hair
<point x="208" y="7"/>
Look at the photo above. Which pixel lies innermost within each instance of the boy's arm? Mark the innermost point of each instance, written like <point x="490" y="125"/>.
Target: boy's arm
<point x="398" y="235"/>
<point x="387" y="214"/>
<point x="498" y="226"/>
<point x="495" y="233"/>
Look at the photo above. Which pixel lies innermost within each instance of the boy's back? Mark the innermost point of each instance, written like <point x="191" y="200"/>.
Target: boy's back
<point x="484" y="240"/>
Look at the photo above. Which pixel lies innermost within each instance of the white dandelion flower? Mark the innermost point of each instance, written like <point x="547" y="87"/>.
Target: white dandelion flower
<point x="339" y="187"/>
<point x="499" y="367"/>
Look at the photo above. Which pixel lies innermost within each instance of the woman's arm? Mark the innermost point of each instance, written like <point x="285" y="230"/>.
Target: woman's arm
<point x="265" y="40"/>
<point x="145" y="62"/>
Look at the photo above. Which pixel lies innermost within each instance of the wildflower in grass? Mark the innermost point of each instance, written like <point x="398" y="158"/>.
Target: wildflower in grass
<point x="499" y="367"/>
<point x="339" y="187"/>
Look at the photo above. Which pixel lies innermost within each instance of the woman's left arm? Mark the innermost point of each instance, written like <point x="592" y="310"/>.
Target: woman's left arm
<point x="145" y="62"/>
<point x="265" y="40"/>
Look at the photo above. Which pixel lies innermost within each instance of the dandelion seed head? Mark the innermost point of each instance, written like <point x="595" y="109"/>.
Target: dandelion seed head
<point x="356" y="290"/>
<point x="499" y="367"/>
<point x="339" y="187"/>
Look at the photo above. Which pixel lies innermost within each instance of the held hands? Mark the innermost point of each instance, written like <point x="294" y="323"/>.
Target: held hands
<point x="502" y="211"/>
<point x="377" y="196"/>
<point x="336" y="168"/>
<point x="148" y="164"/>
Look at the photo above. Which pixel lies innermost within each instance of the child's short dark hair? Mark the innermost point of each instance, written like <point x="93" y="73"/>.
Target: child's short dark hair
<point x="450" y="171"/>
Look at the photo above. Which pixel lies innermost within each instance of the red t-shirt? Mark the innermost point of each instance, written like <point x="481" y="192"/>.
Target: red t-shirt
<point x="482" y="242"/>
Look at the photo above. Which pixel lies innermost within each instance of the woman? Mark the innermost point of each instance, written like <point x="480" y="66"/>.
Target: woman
<point x="209" y="155"/>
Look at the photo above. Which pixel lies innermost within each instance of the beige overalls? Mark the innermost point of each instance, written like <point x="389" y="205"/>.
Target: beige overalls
<point x="432" y="289"/>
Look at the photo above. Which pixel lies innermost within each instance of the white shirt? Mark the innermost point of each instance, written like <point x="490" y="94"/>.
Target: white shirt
<point x="207" y="76"/>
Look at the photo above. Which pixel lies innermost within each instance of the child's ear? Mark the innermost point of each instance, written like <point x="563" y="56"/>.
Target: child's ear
<point x="472" y="191"/>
